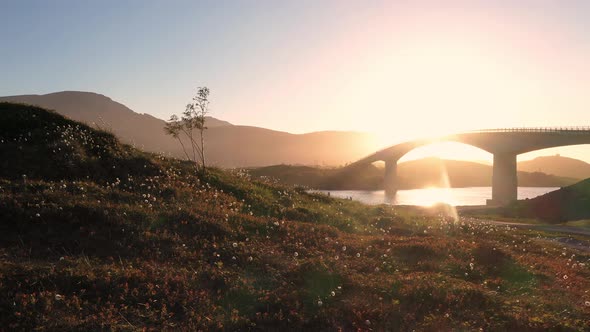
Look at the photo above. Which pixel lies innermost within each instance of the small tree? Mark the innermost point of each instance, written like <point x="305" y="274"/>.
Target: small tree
<point x="192" y="119"/>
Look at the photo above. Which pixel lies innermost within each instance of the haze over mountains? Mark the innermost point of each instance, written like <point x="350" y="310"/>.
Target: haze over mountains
<point x="421" y="173"/>
<point x="227" y="145"/>
<point x="459" y="173"/>
<point x="557" y="165"/>
<point x="231" y="145"/>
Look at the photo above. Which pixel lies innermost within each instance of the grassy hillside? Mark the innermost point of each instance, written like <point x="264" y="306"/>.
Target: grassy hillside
<point x="38" y="144"/>
<point x="101" y="236"/>
<point x="368" y="178"/>
<point x="422" y="173"/>
<point x="565" y="204"/>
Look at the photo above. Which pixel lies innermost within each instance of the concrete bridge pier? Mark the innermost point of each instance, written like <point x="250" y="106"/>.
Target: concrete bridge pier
<point x="504" y="180"/>
<point x="390" y="179"/>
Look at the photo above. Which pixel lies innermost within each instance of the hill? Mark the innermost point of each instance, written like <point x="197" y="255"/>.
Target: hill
<point x="36" y="144"/>
<point x="557" y="165"/>
<point x="422" y="173"/>
<point x="101" y="236"/>
<point x="566" y="204"/>
<point x="227" y="145"/>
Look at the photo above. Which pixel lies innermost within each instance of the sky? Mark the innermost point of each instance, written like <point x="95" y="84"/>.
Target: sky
<point x="398" y="69"/>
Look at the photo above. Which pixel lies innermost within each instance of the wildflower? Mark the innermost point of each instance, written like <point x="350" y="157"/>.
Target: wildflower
<point x="235" y="245"/>
<point x="296" y="254"/>
<point x="565" y="277"/>
<point x="58" y="297"/>
<point x="320" y="303"/>
<point x="333" y="293"/>
<point x="343" y="248"/>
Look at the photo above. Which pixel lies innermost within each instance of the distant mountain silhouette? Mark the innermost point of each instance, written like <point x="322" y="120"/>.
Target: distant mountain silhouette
<point x="421" y="173"/>
<point x="227" y="145"/>
<point x="557" y="165"/>
<point x="429" y="172"/>
<point x="95" y="109"/>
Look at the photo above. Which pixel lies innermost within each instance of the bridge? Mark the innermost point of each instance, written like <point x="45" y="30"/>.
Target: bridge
<point x="504" y="144"/>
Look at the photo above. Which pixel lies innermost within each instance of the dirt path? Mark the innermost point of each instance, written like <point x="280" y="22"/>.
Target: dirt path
<point x="547" y="228"/>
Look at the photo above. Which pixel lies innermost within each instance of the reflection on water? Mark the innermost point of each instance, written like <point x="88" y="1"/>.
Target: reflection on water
<point x="431" y="196"/>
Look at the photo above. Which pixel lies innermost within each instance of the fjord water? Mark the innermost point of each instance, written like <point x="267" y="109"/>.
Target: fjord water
<point x="431" y="196"/>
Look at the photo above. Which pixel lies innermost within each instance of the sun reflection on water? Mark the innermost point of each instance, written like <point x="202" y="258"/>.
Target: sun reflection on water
<point x="432" y="196"/>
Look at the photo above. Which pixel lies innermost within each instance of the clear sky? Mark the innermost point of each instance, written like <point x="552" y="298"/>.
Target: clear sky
<point x="399" y="69"/>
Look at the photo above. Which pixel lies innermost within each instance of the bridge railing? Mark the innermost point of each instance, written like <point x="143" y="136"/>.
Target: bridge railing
<point x="572" y="129"/>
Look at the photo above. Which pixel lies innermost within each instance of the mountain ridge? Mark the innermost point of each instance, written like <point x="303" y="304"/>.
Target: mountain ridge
<point x="228" y="145"/>
<point x="232" y="145"/>
<point x="557" y="165"/>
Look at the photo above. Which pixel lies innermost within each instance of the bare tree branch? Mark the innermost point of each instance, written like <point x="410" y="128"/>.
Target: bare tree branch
<point x="193" y="118"/>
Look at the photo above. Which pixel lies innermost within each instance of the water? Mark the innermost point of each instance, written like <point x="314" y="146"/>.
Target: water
<point x="431" y="196"/>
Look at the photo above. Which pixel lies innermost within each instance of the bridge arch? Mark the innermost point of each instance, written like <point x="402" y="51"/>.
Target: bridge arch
<point x="448" y="150"/>
<point x="438" y="166"/>
<point x="390" y="180"/>
<point x="503" y="144"/>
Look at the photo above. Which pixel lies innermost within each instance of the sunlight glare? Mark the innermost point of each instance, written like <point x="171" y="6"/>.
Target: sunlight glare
<point x="449" y="151"/>
<point x="432" y="195"/>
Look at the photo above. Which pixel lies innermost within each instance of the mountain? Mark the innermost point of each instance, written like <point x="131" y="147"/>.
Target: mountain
<point x="435" y="172"/>
<point x="227" y="145"/>
<point x="565" y="204"/>
<point x="95" y="109"/>
<point x="557" y="165"/>
<point x="421" y="173"/>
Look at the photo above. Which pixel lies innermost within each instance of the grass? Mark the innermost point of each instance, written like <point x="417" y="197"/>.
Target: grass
<point x="98" y="236"/>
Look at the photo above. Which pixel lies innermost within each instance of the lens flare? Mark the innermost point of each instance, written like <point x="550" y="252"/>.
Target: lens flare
<point x="450" y="206"/>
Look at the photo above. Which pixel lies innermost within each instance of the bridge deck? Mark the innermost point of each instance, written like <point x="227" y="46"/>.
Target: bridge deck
<point x="584" y="129"/>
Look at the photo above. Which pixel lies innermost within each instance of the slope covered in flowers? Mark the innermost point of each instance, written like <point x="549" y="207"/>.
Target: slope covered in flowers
<point x="97" y="235"/>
